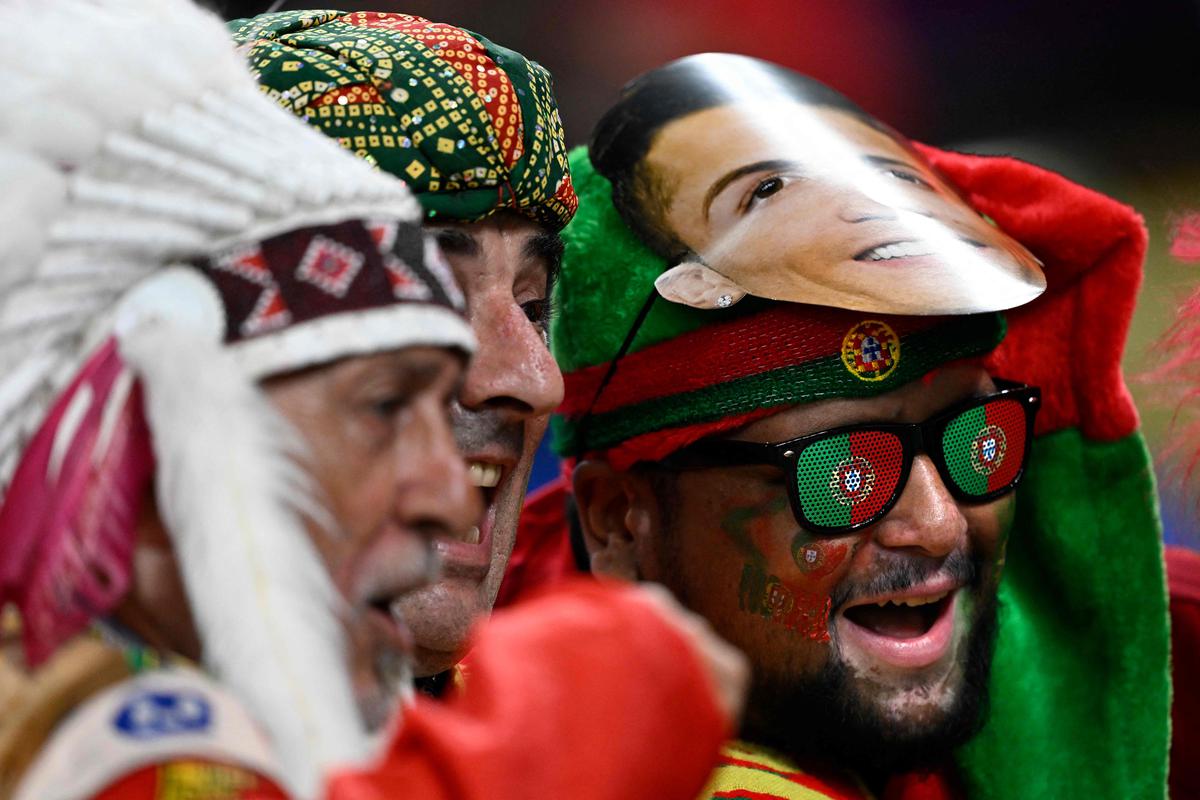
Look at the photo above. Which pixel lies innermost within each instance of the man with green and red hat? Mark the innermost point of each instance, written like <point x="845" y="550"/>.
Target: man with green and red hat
<point x="858" y="402"/>
<point x="473" y="129"/>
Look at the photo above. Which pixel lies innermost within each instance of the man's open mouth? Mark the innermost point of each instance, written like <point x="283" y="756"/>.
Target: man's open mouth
<point x="469" y="554"/>
<point x="906" y="618"/>
<point x="488" y="476"/>
<point x="485" y="474"/>
<point x="909" y="630"/>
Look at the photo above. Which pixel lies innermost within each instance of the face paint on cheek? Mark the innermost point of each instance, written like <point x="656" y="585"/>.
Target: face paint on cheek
<point x="817" y="559"/>
<point x="743" y="523"/>
<point x="784" y="603"/>
<point x="791" y="603"/>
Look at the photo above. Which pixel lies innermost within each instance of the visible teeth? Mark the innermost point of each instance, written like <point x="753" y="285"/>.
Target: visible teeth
<point x="913" y="601"/>
<point x="898" y="250"/>
<point x="485" y="475"/>
<point x="473" y="535"/>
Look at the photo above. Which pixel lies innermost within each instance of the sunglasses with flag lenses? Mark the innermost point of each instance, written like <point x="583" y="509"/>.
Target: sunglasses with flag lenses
<point x="850" y="477"/>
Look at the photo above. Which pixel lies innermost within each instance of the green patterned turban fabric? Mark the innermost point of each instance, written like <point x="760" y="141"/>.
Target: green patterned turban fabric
<point x="470" y="126"/>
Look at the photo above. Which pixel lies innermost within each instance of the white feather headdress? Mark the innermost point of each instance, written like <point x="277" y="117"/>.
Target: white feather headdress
<point x="134" y="138"/>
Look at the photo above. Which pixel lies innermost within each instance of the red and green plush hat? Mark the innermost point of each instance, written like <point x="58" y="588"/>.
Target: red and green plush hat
<point x="470" y="126"/>
<point x="1080" y="687"/>
<point x="690" y="373"/>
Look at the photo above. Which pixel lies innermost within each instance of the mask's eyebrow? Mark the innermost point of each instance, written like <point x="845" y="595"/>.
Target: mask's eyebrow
<point x="729" y="177"/>
<point x="885" y="161"/>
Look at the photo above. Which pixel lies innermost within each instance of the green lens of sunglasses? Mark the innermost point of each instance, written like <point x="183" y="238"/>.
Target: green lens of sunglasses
<point x="984" y="446"/>
<point x="847" y="478"/>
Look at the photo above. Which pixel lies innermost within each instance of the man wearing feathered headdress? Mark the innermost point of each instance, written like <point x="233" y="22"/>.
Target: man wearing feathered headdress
<point x="225" y="456"/>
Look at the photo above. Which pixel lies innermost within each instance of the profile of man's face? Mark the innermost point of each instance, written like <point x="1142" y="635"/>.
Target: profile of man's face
<point x="870" y="649"/>
<point x="813" y="204"/>
<point x="382" y="455"/>
<point x="505" y="265"/>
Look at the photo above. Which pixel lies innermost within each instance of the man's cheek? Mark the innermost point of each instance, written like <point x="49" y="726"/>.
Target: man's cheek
<point x="784" y="601"/>
<point x="993" y="531"/>
<point x="795" y="592"/>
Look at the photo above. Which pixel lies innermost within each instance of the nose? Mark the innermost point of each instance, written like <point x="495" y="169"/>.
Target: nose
<point x="434" y="497"/>
<point x="863" y="208"/>
<point x="926" y="520"/>
<point x="512" y="370"/>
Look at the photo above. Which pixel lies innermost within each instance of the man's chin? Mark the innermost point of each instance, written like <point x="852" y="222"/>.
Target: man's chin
<point x="840" y="719"/>
<point x="440" y="617"/>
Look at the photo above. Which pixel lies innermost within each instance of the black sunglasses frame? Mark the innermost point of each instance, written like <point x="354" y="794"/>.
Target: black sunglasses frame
<point x="709" y="453"/>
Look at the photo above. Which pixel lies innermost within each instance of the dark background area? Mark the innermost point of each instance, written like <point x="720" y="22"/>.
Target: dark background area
<point x="1104" y="92"/>
<point x="938" y="71"/>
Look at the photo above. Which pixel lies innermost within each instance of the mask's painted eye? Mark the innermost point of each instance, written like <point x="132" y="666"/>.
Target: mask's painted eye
<point x="908" y="177"/>
<point x="768" y="187"/>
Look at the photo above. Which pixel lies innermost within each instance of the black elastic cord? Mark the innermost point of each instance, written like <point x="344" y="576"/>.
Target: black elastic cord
<point x="581" y="431"/>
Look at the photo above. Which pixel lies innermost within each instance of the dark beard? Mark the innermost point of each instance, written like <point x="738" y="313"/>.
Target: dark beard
<point x="822" y="721"/>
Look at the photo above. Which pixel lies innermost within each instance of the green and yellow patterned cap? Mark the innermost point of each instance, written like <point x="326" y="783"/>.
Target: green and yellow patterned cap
<point x="470" y="126"/>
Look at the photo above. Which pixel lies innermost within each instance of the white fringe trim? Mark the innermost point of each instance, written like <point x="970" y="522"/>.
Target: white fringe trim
<point x="233" y="498"/>
<point x="326" y="339"/>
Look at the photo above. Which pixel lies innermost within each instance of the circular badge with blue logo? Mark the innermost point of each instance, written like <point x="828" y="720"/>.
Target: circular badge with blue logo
<point x="988" y="449"/>
<point x="871" y="350"/>
<point x="852" y="481"/>
<point x="150" y="715"/>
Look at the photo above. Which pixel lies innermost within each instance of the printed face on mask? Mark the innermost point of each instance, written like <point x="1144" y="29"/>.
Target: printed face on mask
<point x="820" y="205"/>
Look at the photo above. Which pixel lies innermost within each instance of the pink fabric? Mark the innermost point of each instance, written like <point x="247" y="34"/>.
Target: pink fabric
<point x="66" y="539"/>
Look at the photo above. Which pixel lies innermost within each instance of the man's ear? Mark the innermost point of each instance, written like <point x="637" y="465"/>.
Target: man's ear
<point x="617" y="512"/>
<point x="694" y="284"/>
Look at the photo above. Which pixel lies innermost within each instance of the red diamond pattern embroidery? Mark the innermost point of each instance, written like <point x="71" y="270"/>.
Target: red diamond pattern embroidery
<point x="270" y="312"/>
<point x="383" y="233"/>
<point x="435" y="262"/>
<point x="405" y="283"/>
<point x="329" y="266"/>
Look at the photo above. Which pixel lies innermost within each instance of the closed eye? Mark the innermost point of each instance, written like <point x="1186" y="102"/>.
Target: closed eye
<point x="908" y="177"/>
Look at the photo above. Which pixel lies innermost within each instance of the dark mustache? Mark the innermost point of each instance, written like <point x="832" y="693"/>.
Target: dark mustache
<point x="905" y="572"/>
<point x="475" y="430"/>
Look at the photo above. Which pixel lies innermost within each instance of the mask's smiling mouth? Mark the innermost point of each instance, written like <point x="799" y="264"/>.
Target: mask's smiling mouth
<point x="890" y="251"/>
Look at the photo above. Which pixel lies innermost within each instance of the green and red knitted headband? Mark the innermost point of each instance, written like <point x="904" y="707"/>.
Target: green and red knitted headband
<point x="471" y="127"/>
<point x="690" y="373"/>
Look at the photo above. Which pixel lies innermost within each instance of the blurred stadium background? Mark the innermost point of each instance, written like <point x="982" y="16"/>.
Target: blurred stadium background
<point x="1104" y="92"/>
